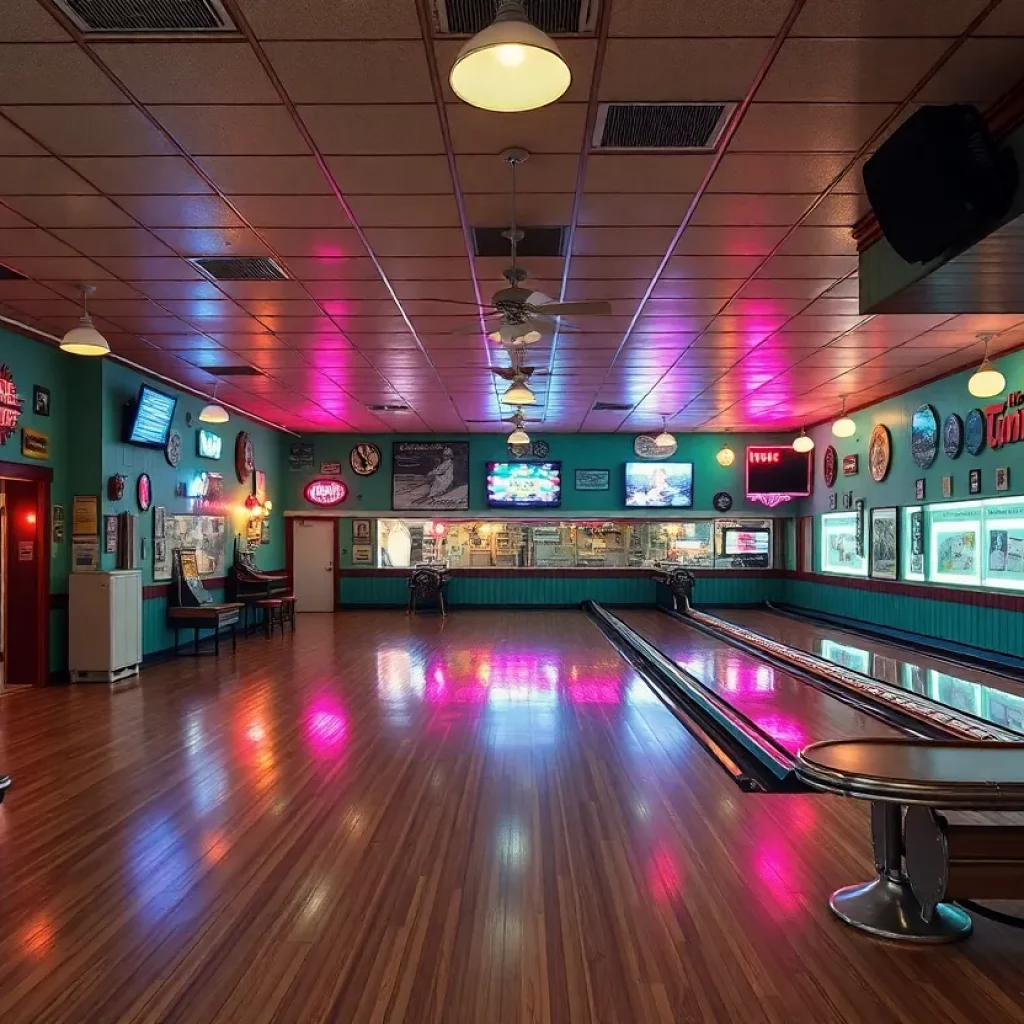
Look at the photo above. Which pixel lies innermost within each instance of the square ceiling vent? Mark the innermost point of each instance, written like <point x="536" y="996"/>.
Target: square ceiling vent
<point x="673" y="127"/>
<point x="241" y="370"/>
<point x="240" y="268"/>
<point x="612" y="407"/>
<point x="557" y="17"/>
<point x="147" y="17"/>
<point x="535" y="242"/>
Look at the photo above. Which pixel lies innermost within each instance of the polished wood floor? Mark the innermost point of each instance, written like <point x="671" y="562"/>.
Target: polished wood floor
<point x="384" y="820"/>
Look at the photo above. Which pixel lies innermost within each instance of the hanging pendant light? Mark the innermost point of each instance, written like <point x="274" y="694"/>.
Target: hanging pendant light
<point x="85" y="340"/>
<point x="519" y="434"/>
<point x="213" y="412"/>
<point x="519" y="393"/>
<point x="986" y="381"/>
<point x="803" y="442"/>
<point x="664" y="439"/>
<point x="726" y="456"/>
<point x="844" y="426"/>
<point x="510" y="66"/>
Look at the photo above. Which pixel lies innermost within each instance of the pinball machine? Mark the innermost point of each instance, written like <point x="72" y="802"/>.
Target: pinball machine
<point x="192" y="605"/>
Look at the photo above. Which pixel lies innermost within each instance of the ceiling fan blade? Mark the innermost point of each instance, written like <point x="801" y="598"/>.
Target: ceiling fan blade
<point x="539" y="299"/>
<point x="596" y="308"/>
<point x="457" y="302"/>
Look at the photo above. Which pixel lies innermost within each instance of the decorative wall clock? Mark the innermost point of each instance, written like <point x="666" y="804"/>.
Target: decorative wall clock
<point x="831" y="467"/>
<point x="645" y="448"/>
<point x="172" y="450"/>
<point x="953" y="436"/>
<point x="244" y="459"/>
<point x="144" y="492"/>
<point x="924" y="436"/>
<point x="879" y="453"/>
<point x="364" y="459"/>
<point x="974" y="432"/>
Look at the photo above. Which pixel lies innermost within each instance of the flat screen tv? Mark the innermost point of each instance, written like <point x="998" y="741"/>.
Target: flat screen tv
<point x="659" y="484"/>
<point x="148" y="418"/>
<point x="524" y="484"/>
<point x="778" y="469"/>
<point x="746" y="542"/>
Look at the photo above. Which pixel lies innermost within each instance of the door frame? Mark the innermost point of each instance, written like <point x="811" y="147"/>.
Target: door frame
<point x="289" y="551"/>
<point x="42" y="476"/>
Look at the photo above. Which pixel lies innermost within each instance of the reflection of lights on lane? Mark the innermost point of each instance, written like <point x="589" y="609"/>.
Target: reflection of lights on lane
<point x="785" y="731"/>
<point x="325" y="727"/>
<point x="774" y="866"/>
<point x="638" y="693"/>
<point x="512" y="845"/>
<point x="594" y="693"/>
<point x="215" y="847"/>
<point x="158" y="865"/>
<point x="38" y="937"/>
<point x="256" y="733"/>
<point x="400" y="675"/>
<point x="664" y="878"/>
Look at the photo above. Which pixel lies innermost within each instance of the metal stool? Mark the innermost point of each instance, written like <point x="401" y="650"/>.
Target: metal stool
<point x="272" y="609"/>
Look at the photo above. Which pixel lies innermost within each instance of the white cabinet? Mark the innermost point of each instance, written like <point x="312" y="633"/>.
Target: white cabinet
<point x="104" y="625"/>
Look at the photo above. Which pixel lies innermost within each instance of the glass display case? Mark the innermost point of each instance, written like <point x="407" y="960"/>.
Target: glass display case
<point x="568" y="544"/>
<point x="842" y="544"/>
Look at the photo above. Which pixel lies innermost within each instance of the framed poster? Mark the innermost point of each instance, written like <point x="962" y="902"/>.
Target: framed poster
<point x="110" y="535"/>
<point x="974" y="481"/>
<point x="362" y="554"/>
<point x="159" y="522"/>
<point x="1002" y="478"/>
<point x="58" y="524"/>
<point x="260" y="484"/>
<point x="974" y="432"/>
<point x="430" y="476"/>
<point x="884" y="543"/>
<point x="919" y="489"/>
<point x="40" y="400"/>
<point x="360" y="531"/>
<point x="85" y="515"/>
<point x="300" y="455"/>
<point x="593" y="480"/>
<point x="264" y="531"/>
<point x="953" y="436"/>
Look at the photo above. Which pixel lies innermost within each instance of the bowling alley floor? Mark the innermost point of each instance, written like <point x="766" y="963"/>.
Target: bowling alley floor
<point x="484" y="820"/>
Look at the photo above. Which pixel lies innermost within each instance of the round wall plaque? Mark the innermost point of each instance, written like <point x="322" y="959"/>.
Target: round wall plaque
<point x="144" y="492"/>
<point x="722" y="501"/>
<point x="364" y="459"/>
<point x="645" y="448"/>
<point x="953" y="436"/>
<point x="244" y="459"/>
<point x="831" y="467"/>
<point x="924" y="436"/>
<point x="974" y="432"/>
<point x="879" y="453"/>
<point x="541" y="449"/>
<point x="172" y="451"/>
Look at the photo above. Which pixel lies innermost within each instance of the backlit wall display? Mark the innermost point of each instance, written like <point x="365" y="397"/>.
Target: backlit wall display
<point x="912" y="543"/>
<point x="776" y="473"/>
<point x="208" y="444"/>
<point x="954" y="543"/>
<point x="659" y="484"/>
<point x="524" y="484"/>
<point x="1003" y="543"/>
<point x="842" y="548"/>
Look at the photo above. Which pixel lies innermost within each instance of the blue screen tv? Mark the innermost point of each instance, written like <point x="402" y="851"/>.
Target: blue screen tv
<point x="148" y="419"/>
<point x="524" y="484"/>
<point x="659" y="484"/>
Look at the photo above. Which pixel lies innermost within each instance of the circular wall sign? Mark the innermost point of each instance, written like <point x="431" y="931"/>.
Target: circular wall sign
<point x="879" y="453"/>
<point x="144" y="492"/>
<point x="364" y="459"/>
<point x="541" y="449"/>
<point x="172" y="450"/>
<point x="831" y="466"/>
<point x="974" y="432"/>
<point x="953" y="436"/>
<point x="645" y="448"/>
<point x="924" y="436"/>
<point x="519" y="451"/>
<point x="244" y="458"/>
<point x="722" y="501"/>
<point x="325" y="493"/>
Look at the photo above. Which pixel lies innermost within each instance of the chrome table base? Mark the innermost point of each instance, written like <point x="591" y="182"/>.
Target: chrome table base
<point x="887" y="909"/>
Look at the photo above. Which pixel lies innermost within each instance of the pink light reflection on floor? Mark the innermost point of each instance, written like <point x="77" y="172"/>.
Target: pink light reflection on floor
<point x="326" y="727"/>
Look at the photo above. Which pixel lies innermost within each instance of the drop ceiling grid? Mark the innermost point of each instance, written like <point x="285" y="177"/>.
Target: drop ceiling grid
<point x="139" y="209"/>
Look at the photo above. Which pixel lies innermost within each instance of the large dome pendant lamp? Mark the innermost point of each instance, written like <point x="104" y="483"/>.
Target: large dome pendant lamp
<point x="510" y="66"/>
<point x="214" y="412"/>
<point x="803" y="442"/>
<point x="85" y="340"/>
<point x="844" y="426"/>
<point x="664" y="439"/>
<point x="986" y="381"/>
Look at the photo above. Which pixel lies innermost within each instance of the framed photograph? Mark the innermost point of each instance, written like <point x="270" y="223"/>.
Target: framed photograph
<point x="361" y="531"/>
<point x="160" y="550"/>
<point x="593" y="479"/>
<point x="847" y="500"/>
<point x="40" y="400"/>
<point x="1002" y="478"/>
<point x="947" y="487"/>
<point x="974" y="481"/>
<point x="884" y="543"/>
<point x="859" y="506"/>
<point x="430" y="476"/>
<point x="833" y="501"/>
<point x="919" y="489"/>
<point x="362" y="554"/>
<point x="159" y="522"/>
<point x="110" y="535"/>
<point x="264" y="531"/>
<point x="260" y="484"/>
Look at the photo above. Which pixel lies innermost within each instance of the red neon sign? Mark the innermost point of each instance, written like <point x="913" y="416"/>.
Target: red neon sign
<point x="777" y="473"/>
<point x="325" y="493"/>
<point x="10" y="404"/>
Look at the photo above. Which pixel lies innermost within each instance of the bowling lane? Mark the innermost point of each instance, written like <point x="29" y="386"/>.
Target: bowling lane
<point x="987" y="695"/>
<point x="789" y="710"/>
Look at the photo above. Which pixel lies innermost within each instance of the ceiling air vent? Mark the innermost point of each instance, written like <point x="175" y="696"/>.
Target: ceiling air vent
<point x="165" y="17"/>
<point x="6" y="274"/>
<point x="233" y="371"/>
<point x="612" y="407"/>
<point x="558" y="17"/>
<point x="661" y="126"/>
<point x="240" y="268"/>
<point x="388" y="408"/>
<point x="535" y="242"/>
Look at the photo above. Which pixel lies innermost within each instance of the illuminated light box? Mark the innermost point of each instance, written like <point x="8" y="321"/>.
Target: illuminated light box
<point x="954" y="543"/>
<point x="777" y="473"/>
<point x="524" y="484"/>
<point x="842" y="544"/>
<point x="208" y="444"/>
<point x="325" y="493"/>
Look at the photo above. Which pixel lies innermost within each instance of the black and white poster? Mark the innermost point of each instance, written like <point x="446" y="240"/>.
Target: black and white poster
<point x="430" y="476"/>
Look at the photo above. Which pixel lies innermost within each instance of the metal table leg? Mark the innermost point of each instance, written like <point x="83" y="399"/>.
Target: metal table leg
<point x="886" y="907"/>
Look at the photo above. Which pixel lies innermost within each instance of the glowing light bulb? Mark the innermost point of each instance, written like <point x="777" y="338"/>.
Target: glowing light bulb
<point x="511" y="55"/>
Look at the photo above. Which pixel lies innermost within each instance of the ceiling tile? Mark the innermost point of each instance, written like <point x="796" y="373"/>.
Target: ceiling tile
<point x="313" y="19"/>
<point x="320" y="242"/>
<point x="622" y="241"/>
<point x="823" y="241"/>
<point x="557" y="128"/>
<point x="646" y="173"/>
<point x="178" y="290"/>
<point x="70" y="211"/>
<point x="37" y="175"/>
<point x="265" y="175"/>
<point x="213" y="241"/>
<point x="809" y="127"/>
<point x="248" y="130"/>
<point x="391" y="175"/>
<point x="180" y="211"/>
<point x="778" y="172"/>
<point x="544" y="172"/>
<point x="150" y="268"/>
<point x="52" y="73"/>
<point x="58" y="268"/>
<point x="14" y="142"/>
<point x="981" y="71"/>
<point x="374" y="129"/>
<point x="92" y="130"/>
<point x="655" y="19"/>
<point x="291" y="211"/>
<point x="24" y="21"/>
<point x="113" y="241"/>
<point x="140" y="175"/>
<point x="883" y="18"/>
<point x="406" y="211"/>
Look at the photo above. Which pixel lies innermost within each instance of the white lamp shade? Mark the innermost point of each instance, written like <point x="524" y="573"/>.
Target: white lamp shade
<point x="516" y="335"/>
<point x="803" y="443"/>
<point x="214" y="413"/>
<point x="986" y="382"/>
<point x="85" y="340"/>
<point x="510" y="66"/>
<point x="519" y="436"/>
<point x="844" y="427"/>
<point x="519" y="394"/>
<point x="664" y="440"/>
<point x="726" y="456"/>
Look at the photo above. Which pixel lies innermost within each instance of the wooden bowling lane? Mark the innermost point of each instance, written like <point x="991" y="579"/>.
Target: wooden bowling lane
<point x="781" y="704"/>
<point x="480" y="821"/>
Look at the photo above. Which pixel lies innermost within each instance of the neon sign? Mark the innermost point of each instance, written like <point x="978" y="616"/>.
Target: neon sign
<point x="10" y="404"/>
<point x="325" y="493"/>
<point x="777" y="473"/>
<point x="1005" y="420"/>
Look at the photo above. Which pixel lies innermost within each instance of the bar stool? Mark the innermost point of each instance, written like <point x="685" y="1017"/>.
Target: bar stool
<point x="272" y="610"/>
<point x="288" y="611"/>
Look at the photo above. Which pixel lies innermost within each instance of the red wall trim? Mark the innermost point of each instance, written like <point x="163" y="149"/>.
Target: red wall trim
<point x="575" y="574"/>
<point x="23" y="471"/>
<point x="921" y="591"/>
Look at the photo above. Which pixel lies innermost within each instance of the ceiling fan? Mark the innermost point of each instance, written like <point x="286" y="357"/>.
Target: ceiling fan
<point x="517" y="316"/>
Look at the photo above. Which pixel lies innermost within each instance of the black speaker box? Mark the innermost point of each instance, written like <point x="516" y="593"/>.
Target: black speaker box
<point x="939" y="182"/>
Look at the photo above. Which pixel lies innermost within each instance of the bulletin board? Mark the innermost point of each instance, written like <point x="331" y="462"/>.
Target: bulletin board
<point x="207" y="534"/>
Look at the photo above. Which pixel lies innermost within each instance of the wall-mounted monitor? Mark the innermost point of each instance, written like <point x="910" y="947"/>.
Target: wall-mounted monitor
<point x="208" y="444"/>
<point x="524" y="484"/>
<point x="779" y="471"/>
<point x="659" y="484"/>
<point x="148" y="419"/>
